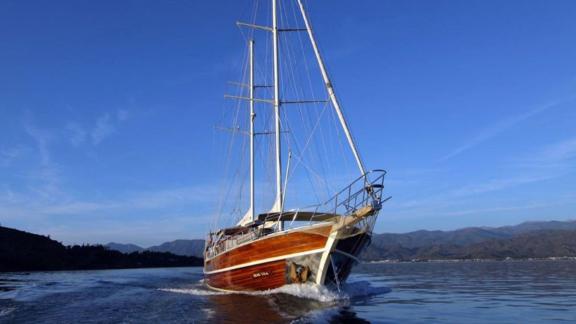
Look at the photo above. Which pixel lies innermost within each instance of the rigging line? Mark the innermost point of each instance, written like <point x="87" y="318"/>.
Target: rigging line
<point x="310" y="131"/>
<point x="271" y="160"/>
<point x="229" y="187"/>
<point x="322" y="153"/>
<point x="242" y="170"/>
<point x="303" y="55"/>
<point x="322" y="156"/>
<point x="257" y="68"/>
<point x="340" y="141"/>
<point x="293" y="54"/>
<point x="305" y="165"/>
<point x="301" y="153"/>
<point x="267" y="155"/>
<point x="227" y="169"/>
<point x="243" y="140"/>
<point x="301" y="42"/>
<point x="251" y="30"/>
<point x="290" y="66"/>
<point x="306" y="145"/>
<point x="296" y="144"/>
<point x="292" y="51"/>
<point x="304" y="59"/>
<point x="243" y="175"/>
<point x="317" y="153"/>
<point x="307" y="121"/>
<point x="240" y="175"/>
<point x="319" y="156"/>
<point x="330" y="89"/>
<point x="284" y="75"/>
<point x="232" y="141"/>
<point x="291" y="62"/>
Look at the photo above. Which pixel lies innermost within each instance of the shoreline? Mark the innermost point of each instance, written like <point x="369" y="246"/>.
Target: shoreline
<point x="563" y="258"/>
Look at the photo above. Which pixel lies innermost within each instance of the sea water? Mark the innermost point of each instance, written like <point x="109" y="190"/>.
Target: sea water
<point x="440" y="292"/>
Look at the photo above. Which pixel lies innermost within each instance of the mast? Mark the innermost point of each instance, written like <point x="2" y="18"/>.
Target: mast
<point x="330" y="90"/>
<point x="278" y="205"/>
<point x="252" y="116"/>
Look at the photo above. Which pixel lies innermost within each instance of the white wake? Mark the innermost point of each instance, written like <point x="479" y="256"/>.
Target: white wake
<point x="307" y="291"/>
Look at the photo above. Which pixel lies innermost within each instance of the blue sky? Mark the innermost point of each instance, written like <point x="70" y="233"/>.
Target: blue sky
<point x="107" y="111"/>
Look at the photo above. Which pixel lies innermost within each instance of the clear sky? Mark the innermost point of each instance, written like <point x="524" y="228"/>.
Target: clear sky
<point x="107" y="111"/>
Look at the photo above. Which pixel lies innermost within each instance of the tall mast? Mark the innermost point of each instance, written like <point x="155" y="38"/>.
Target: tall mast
<point x="252" y="116"/>
<point x="330" y="90"/>
<point x="278" y="203"/>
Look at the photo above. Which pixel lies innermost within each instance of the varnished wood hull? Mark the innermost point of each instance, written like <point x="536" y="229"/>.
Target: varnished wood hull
<point x="264" y="264"/>
<point x="271" y="247"/>
<point x="270" y="262"/>
<point x="257" y="277"/>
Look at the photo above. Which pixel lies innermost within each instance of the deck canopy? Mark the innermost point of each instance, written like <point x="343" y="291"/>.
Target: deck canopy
<point x="235" y="230"/>
<point x="240" y="229"/>
<point x="276" y="216"/>
<point x="297" y="216"/>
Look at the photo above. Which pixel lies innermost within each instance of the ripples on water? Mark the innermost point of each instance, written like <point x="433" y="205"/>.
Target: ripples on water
<point x="512" y="292"/>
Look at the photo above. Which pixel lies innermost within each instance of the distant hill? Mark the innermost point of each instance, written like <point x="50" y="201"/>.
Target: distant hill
<point x="535" y="244"/>
<point x="178" y="247"/>
<point x="526" y="240"/>
<point x="476" y="242"/>
<point x="471" y="242"/>
<point x="425" y="238"/>
<point x="537" y="226"/>
<point x="23" y="251"/>
<point x="124" y="248"/>
<point x="465" y="236"/>
<point x="181" y="247"/>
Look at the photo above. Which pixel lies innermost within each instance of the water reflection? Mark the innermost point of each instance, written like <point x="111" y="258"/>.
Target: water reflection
<point x="281" y="307"/>
<point x="511" y="292"/>
<point x="515" y="291"/>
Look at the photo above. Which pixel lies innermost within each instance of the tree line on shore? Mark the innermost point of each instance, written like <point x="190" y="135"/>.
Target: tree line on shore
<point x="22" y="251"/>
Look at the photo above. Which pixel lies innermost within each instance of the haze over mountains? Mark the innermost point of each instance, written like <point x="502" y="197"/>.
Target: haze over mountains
<point x="178" y="247"/>
<point x="465" y="236"/>
<point x="530" y="239"/>
<point x="22" y="251"/>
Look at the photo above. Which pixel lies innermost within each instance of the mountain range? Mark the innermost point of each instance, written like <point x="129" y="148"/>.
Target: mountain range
<point x="534" y="244"/>
<point x="464" y="236"/>
<point x="179" y="247"/>
<point x="22" y="251"/>
<point x="529" y="239"/>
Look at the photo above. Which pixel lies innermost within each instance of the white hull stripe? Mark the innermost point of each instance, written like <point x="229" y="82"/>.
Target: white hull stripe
<point x="281" y="257"/>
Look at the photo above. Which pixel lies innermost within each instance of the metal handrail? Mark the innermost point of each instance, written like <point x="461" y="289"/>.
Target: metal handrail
<point x="352" y="198"/>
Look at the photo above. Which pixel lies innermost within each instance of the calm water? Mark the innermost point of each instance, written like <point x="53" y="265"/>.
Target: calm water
<point x="503" y="292"/>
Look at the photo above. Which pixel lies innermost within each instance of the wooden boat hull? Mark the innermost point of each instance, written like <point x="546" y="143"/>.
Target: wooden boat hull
<point x="264" y="276"/>
<point x="311" y="255"/>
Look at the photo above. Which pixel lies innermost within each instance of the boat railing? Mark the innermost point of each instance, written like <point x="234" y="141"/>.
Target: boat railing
<point x="227" y="243"/>
<point x="366" y="190"/>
